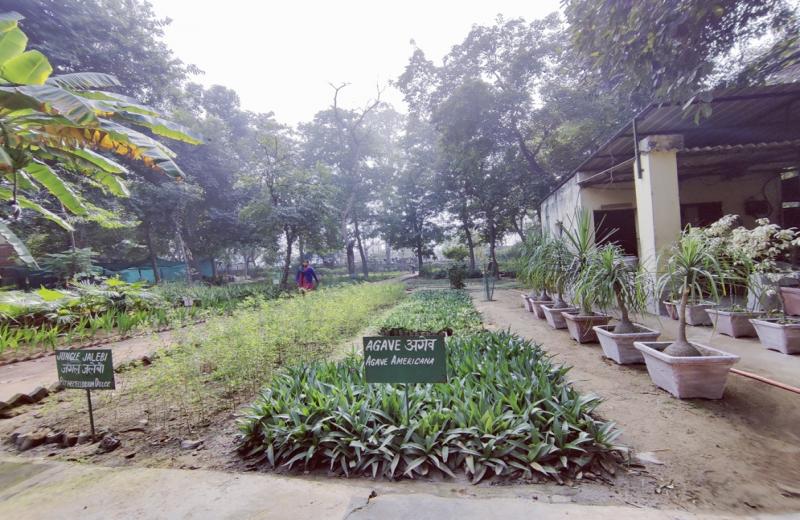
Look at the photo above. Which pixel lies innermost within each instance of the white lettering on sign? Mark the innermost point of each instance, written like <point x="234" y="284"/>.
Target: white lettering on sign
<point x="420" y="345"/>
<point x="411" y="361"/>
<point x="382" y="345"/>
<point x="377" y="362"/>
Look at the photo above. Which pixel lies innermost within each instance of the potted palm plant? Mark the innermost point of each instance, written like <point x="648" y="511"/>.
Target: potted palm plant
<point x="688" y="370"/>
<point x="580" y="237"/>
<point x="616" y="282"/>
<point x="552" y="270"/>
<point x="533" y="254"/>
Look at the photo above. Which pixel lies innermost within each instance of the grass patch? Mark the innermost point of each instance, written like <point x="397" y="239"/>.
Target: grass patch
<point x="233" y="357"/>
<point x="507" y="411"/>
<point x="432" y="312"/>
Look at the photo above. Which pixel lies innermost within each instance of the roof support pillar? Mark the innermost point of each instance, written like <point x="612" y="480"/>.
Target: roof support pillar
<point x="658" y="211"/>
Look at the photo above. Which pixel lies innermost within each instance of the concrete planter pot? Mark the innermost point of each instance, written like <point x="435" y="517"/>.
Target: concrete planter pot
<point x="581" y="327"/>
<point x="691" y="377"/>
<point x="554" y="316"/>
<point x="619" y="347"/>
<point x="735" y="324"/>
<point x="527" y="302"/>
<point x="783" y="337"/>
<point x="672" y="309"/>
<point x="537" y="307"/>
<point x="696" y="314"/>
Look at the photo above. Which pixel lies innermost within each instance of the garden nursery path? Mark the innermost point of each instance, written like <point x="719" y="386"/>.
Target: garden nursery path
<point x="24" y="377"/>
<point x="45" y="490"/>
<point x="740" y="454"/>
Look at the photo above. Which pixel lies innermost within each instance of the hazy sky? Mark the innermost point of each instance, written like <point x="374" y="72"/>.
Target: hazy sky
<point x="280" y="56"/>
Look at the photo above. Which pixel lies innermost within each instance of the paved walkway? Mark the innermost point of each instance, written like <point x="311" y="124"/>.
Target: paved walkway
<point x="47" y="490"/>
<point x="25" y="376"/>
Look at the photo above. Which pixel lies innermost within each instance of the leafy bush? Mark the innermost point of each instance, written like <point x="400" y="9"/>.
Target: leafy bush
<point x="457" y="253"/>
<point x="232" y="356"/>
<point x="507" y="411"/>
<point x="432" y="312"/>
<point x="456" y="275"/>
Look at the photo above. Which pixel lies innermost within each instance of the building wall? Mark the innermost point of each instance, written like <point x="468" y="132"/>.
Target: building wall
<point x="734" y="192"/>
<point x="559" y="207"/>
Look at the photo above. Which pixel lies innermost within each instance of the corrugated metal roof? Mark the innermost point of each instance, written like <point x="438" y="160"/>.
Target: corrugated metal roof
<point x="754" y="114"/>
<point x="739" y="117"/>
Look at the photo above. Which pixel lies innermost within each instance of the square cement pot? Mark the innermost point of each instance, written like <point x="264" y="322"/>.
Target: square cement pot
<point x="554" y="315"/>
<point x="580" y="327"/>
<point x="696" y="314"/>
<point x="526" y="302"/>
<point x="783" y="337"/>
<point x="619" y="347"/>
<point x="735" y="324"/>
<point x="688" y="377"/>
<point x="537" y="307"/>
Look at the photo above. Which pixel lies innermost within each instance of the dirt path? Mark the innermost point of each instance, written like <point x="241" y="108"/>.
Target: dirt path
<point x="740" y="454"/>
<point x="25" y="376"/>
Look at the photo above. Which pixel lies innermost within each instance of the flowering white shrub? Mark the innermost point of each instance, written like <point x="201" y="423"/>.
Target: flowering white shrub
<point x="760" y="249"/>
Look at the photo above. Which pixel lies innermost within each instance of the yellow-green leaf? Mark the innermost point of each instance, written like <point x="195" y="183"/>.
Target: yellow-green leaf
<point x="12" y="43"/>
<point x="42" y="174"/>
<point x="29" y="68"/>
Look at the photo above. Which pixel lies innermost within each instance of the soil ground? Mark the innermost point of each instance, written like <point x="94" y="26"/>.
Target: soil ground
<point x="740" y="455"/>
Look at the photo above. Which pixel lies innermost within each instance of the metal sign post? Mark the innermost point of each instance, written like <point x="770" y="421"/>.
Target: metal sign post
<point x="91" y="369"/>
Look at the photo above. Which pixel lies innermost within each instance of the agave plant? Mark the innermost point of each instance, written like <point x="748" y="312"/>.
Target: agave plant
<point x="694" y="269"/>
<point x="612" y="280"/>
<point x="50" y="125"/>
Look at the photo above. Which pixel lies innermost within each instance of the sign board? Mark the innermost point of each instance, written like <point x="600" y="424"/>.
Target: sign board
<point x="90" y="369"/>
<point x="405" y="359"/>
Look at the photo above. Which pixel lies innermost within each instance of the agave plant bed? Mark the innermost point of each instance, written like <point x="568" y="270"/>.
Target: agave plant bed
<point x="507" y="412"/>
<point x="440" y="312"/>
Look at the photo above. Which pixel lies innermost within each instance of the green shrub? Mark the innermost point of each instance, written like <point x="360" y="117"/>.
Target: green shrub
<point x="507" y="411"/>
<point x="432" y="312"/>
<point x="456" y="275"/>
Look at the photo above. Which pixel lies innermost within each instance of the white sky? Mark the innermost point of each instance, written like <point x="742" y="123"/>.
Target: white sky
<point x="280" y="56"/>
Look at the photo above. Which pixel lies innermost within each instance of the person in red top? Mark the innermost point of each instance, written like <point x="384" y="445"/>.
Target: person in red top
<point x="306" y="278"/>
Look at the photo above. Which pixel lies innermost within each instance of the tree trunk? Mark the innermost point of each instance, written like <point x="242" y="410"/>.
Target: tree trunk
<point x="213" y="268"/>
<point x="184" y="253"/>
<point x="287" y="260"/>
<point x="419" y="256"/>
<point x="301" y="249"/>
<point x="351" y="258"/>
<point x="625" y="326"/>
<point x="471" y="246"/>
<point x="518" y="228"/>
<point x="681" y="346"/>
<point x="492" y="247"/>
<point x="148" y="236"/>
<point x="361" y="252"/>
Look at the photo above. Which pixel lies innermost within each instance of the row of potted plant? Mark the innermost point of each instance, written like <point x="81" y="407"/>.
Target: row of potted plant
<point x="703" y="267"/>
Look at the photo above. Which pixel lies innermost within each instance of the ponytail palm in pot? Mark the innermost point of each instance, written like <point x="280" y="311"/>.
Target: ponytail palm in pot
<point x="626" y="286"/>
<point x="581" y="240"/>
<point x="533" y="252"/>
<point x="687" y="369"/>
<point x="553" y="267"/>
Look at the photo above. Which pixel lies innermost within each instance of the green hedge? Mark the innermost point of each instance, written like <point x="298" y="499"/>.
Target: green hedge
<point x="507" y="411"/>
<point x="432" y="312"/>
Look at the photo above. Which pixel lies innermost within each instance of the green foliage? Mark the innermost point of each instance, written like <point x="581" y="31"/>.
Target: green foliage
<point x="669" y="49"/>
<point x="432" y="312"/>
<point x="507" y="411"/>
<point x="456" y="274"/>
<point x="69" y="263"/>
<point x="233" y="356"/>
<point x="457" y="253"/>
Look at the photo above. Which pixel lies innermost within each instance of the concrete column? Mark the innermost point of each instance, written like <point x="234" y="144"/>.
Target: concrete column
<point x="658" y="211"/>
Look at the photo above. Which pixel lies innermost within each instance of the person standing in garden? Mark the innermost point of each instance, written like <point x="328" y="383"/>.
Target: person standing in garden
<point x="306" y="277"/>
